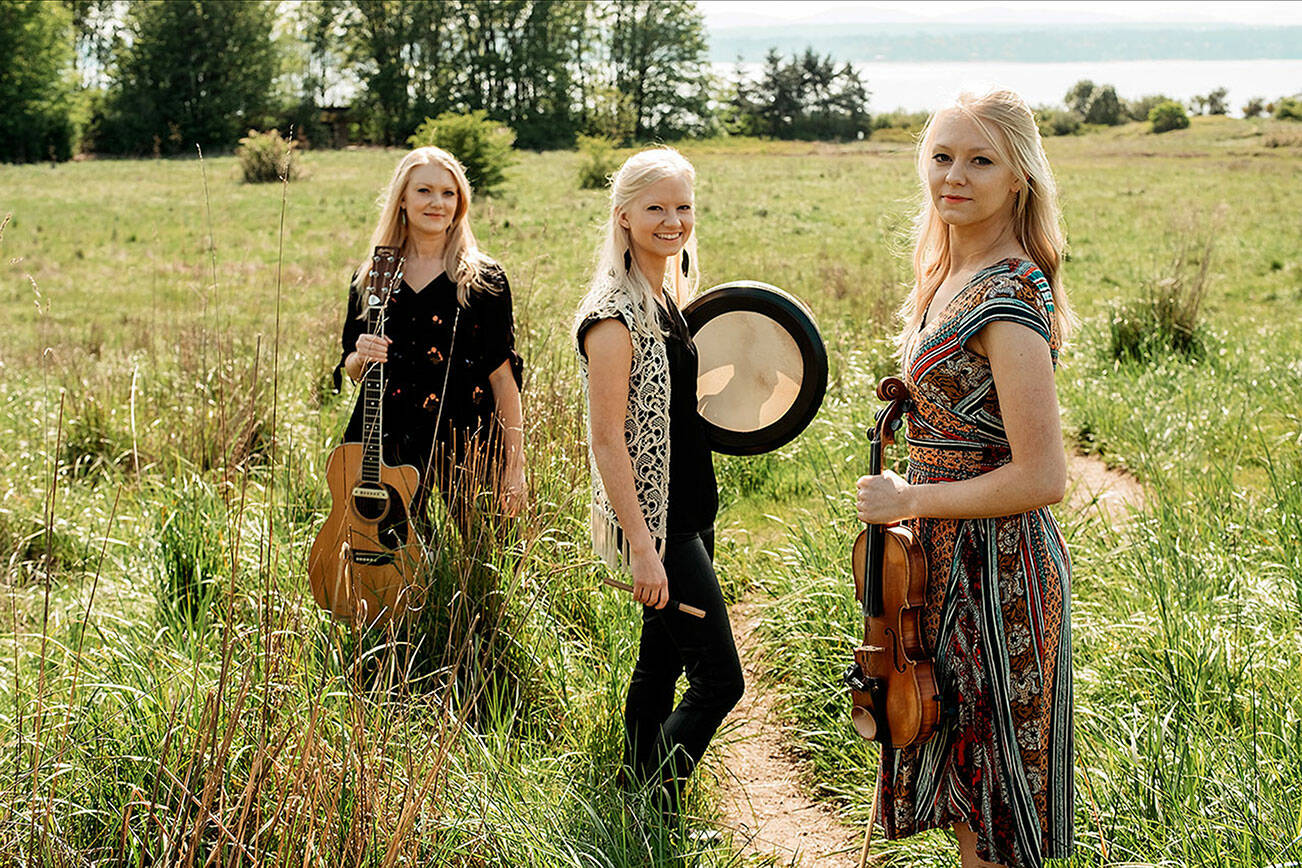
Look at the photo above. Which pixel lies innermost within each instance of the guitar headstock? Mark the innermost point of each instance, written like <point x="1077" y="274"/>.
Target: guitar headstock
<point x="384" y="274"/>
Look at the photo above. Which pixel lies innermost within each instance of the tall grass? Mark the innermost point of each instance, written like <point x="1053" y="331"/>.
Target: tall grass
<point x="169" y="693"/>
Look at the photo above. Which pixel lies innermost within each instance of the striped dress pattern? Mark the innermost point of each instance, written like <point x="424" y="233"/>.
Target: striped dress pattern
<point x="997" y="612"/>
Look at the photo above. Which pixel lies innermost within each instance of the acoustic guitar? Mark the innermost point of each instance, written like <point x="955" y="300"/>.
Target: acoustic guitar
<point x="363" y="564"/>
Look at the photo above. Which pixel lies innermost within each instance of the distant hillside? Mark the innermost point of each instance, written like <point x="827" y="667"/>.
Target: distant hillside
<point x="1031" y="44"/>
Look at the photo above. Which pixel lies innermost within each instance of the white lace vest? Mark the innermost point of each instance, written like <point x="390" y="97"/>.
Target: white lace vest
<point x="646" y="433"/>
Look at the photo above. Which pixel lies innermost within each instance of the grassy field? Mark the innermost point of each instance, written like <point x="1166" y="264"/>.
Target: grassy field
<point x="169" y="691"/>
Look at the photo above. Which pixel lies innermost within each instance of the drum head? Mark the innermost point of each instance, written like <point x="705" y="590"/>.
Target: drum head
<point x="762" y="366"/>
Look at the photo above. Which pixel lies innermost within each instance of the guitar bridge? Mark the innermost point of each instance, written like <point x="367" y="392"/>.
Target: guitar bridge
<point x="371" y="558"/>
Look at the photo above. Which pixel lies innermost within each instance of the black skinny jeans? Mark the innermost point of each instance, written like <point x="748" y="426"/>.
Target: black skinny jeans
<point x="662" y="742"/>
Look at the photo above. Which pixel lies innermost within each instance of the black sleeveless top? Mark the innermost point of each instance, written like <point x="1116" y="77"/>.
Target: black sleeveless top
<point x="693" y="489"/>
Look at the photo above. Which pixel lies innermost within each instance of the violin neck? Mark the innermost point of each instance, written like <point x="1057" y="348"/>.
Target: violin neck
<point x="875" y="540"/>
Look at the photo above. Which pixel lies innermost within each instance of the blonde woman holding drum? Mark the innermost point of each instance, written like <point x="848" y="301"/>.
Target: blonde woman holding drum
<point x="654" y="490"/>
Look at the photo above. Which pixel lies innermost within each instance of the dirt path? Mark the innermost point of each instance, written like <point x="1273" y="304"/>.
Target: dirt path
<point x="1091" y="484"/>
<point x="764" y="803"/>
<point x="763" y="800"/>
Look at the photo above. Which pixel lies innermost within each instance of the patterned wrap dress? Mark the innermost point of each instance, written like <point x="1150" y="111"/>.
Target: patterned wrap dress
<point x="997" y="605"/>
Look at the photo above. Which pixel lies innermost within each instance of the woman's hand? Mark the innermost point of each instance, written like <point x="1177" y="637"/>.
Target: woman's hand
<point x="373" y="348"/>
<point x="650" y="584"/>
<point x="883" y="499"/>
<point x="515" y="492"/>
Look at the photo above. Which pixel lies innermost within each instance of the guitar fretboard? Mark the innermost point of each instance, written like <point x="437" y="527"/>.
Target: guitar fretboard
<point x="383" y="277"/>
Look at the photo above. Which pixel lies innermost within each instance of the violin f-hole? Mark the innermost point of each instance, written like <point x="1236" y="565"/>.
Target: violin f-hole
<point x="895" y="649"/>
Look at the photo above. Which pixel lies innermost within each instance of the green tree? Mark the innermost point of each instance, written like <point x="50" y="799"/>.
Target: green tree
<point x="739" y="112"/>
<point x="515" y="60"/>
<point x="809" y="97"/>
<point x="1079" y="96"/>
<point x="95" y="23"/>
<point x="191" y="71"/>
<point x="403" y="53"/>
<point x="1217" y="103"/>
<point x="658" y="58"/>
<point x="1105" y="107"/>
<point x="36" y="81"/>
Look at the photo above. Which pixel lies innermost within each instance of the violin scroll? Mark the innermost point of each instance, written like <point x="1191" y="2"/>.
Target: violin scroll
<point x="889" y="418"/>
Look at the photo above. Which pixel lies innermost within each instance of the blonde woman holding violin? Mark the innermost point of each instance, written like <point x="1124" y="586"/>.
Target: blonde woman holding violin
<point x="983" y="326"/>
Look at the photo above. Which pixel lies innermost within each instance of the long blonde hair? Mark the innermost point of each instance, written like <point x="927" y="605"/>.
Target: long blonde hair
<point x="612" y="275"/>
<point x="462" y="258"/>
<point x="1010" y="126"/>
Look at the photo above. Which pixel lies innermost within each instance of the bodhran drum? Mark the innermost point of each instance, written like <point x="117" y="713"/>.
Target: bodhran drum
<point x="762" y="366"/>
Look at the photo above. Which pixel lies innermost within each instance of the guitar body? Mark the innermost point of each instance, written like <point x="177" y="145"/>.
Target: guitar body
<point x="363" y="564"/>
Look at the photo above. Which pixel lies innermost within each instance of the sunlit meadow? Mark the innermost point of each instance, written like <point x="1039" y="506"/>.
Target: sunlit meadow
<point x="169" y="694"/>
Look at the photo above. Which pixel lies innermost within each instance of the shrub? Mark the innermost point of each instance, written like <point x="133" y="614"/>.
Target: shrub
<point x="1079" y="96"/>
<point x="191" y="562"/>
<point x="599" y="162"/>
<point x="1138" y="109"/>
<point x="900" y="119"/>
<point x="1166" y="116"/>
<point x="1167" y="316"/>
<point x="1254" y="107"/>
<point x="1282" y="140"/>
<point x="266" y="157"/>
<point x="482" y="145"/>
<point x="1289" y="108"/>
<point x="1057" y="122"/>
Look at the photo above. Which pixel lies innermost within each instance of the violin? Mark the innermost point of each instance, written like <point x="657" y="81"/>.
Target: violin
<point x="894" y="698"/>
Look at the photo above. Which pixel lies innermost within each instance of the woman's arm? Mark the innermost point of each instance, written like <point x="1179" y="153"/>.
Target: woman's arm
<point x="506" y="398"/>
<point x="609" y="349"/>
<point x="1035" y="476"/>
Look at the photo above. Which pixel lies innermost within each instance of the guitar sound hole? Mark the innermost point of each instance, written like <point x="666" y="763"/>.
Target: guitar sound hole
<point x="389" y="512"/>
<point x="371" y="501"/>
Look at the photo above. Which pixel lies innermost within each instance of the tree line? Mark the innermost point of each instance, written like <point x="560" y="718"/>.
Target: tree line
<point x="143" y="77"/>
<point x="1089" y="103"/>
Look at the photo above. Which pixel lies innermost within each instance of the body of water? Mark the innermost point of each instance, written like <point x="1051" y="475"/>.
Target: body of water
<point x="923" y="86"/>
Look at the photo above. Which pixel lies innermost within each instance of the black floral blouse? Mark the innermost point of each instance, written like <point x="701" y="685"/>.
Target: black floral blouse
<point x="436" y="383"/>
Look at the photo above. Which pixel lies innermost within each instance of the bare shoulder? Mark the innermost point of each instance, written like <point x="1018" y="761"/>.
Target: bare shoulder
<point x="607" y="336"/>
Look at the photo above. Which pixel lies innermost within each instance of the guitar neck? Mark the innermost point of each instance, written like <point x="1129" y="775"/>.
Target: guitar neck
<point x="372" y="407"/>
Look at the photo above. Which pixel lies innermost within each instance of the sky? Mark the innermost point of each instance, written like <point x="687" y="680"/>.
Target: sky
<point x="742" y="13"/>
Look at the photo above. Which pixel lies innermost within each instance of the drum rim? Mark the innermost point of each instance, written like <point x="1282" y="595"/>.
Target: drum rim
<point x="799" y="323"/>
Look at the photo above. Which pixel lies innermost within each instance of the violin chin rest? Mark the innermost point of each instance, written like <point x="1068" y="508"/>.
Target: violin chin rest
<point x="863" y="721"/>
